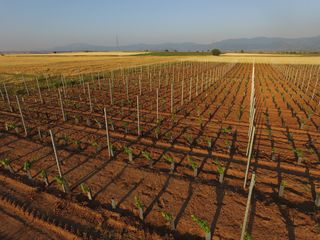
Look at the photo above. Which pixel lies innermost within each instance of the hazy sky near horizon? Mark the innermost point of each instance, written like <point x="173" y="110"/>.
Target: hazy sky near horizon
<point x="40" y="24"/>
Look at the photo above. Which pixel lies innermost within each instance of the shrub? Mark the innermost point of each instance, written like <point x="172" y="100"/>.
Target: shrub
<point x="168" y="158"/>
<point x="147" y="155"/>
<point x="192" y="163"/>
<point x="203" y="224"/>
<point x="6" y="164"/>
<point x="127" y="150"/>
<point x="44" y="175"/>
<point x="59" y="180"/>
<point x="138" y="202"/>
<point x="167" y="216"/>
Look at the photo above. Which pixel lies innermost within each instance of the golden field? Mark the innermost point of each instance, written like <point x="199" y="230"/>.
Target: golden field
<point x="259" y="58"/>
<point x="12" y="66"/>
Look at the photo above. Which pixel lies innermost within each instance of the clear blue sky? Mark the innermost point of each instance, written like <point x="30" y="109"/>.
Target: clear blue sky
<point x="38" y="24"/>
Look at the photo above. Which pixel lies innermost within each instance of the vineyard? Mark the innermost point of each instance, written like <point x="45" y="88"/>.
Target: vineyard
<point x="180" y="150"/>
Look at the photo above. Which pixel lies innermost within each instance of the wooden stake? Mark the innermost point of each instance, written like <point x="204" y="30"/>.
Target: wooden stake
<point x="182" y="85"/>
<point x="171" y="102"/>
<point x="149" y="79"/>
<point x="66" y="188"/>
<point x="250" y="129"/>
<point x="99" y="81"/>
<point x="197" y="85"/>
<point x="157" y="104"/>
<point x="64" y="86"/>
<point x="39" y="90"/>
<point x="83" y="85"/>
<point x="25" y="85"/>
<point x="48" y="86"/>
<point x="127" y="88"/>
<point x="249" y="158"/>
<point x="39" y="133"/>
<point x="245" y="220"/>
<point x="8" y="99"/>
<point x="190" y="89"/>
<point x="21" y="115"/>
<point x="140" y="90"/>
<point x="107" y="132"/>
<point x="202" y="82"/>
<point x="315" y="87"/>
<point x="89" y="95"/>
<point x="110" y="92"/>
<point x="61" y="105"/>
<point x="55" y="154"/>
<point x="138" y="116"/>
<point x="2" y="96"/>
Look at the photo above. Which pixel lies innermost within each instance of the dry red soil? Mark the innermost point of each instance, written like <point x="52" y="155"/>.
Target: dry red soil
<point x="210" y="103"/>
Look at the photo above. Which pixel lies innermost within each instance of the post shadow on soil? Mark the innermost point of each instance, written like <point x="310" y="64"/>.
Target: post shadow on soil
<point x="311" y="182"/>
<point x="215" y="140"/>
<point x="156" y="199"/>
<point x="291" y="140"/>
<point x="185" y="204"/>
<point x="53" y="165"/>
<point x="278" y="171"/>
<point x="313" y="147"/>
<point x="32" y="152"/>
<point x="19" y="232"/>
<point x="76" y="153"/>
<point x="11" y="142"/>
<point x="283" y="211"/>
<point x="252" y="214"/>
<point x="220" y="191"/>
<point x="115" y="178"/>
<point x="4" y="154"/>
<point x="135" y="186"/>
<point x="289" y="223"/>
<point x="181" y="132"/>
<point x="291" y="172"/>
<point x="94" y="171"/>
<point x="36" y="160"/>
<point x="215" y="111"/>
<point x="90" y="174"/>
<point x="22" y="156"/>
<point x="220" y="188"/>
<point x="165" y="150"/>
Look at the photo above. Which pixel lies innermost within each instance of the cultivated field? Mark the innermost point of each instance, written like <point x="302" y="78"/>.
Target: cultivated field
<point x="14" y="66"/>
<point x="145" y="147"/>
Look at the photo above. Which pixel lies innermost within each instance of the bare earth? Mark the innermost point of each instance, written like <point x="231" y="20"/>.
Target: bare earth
<point x="28" y="210"/>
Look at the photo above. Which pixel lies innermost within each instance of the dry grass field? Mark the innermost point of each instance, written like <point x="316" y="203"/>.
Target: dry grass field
<point x="69" y="64"/>
<point x="12" y="66"/>
<point x="259" y="58"/>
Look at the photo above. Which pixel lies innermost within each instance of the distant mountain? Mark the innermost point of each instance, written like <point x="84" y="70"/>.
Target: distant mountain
<point x="270" y="44"/>
<point x="246" y="44"/>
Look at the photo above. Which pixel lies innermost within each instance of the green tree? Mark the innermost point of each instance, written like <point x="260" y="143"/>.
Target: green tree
<point x="215" y="52"/>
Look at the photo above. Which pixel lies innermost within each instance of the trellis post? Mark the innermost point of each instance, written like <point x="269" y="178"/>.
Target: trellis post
<point x="21" y="115"/>
<point x="107" y="132"/>
<point x="157" y="104"/>
<point x="65" y="186"/>
<point x="245" y="220"/>
<point x="8" y="98"/>
<point x="61" y="105"/>
<point x="138" y="116"/>
<point x="89" y="95"/>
